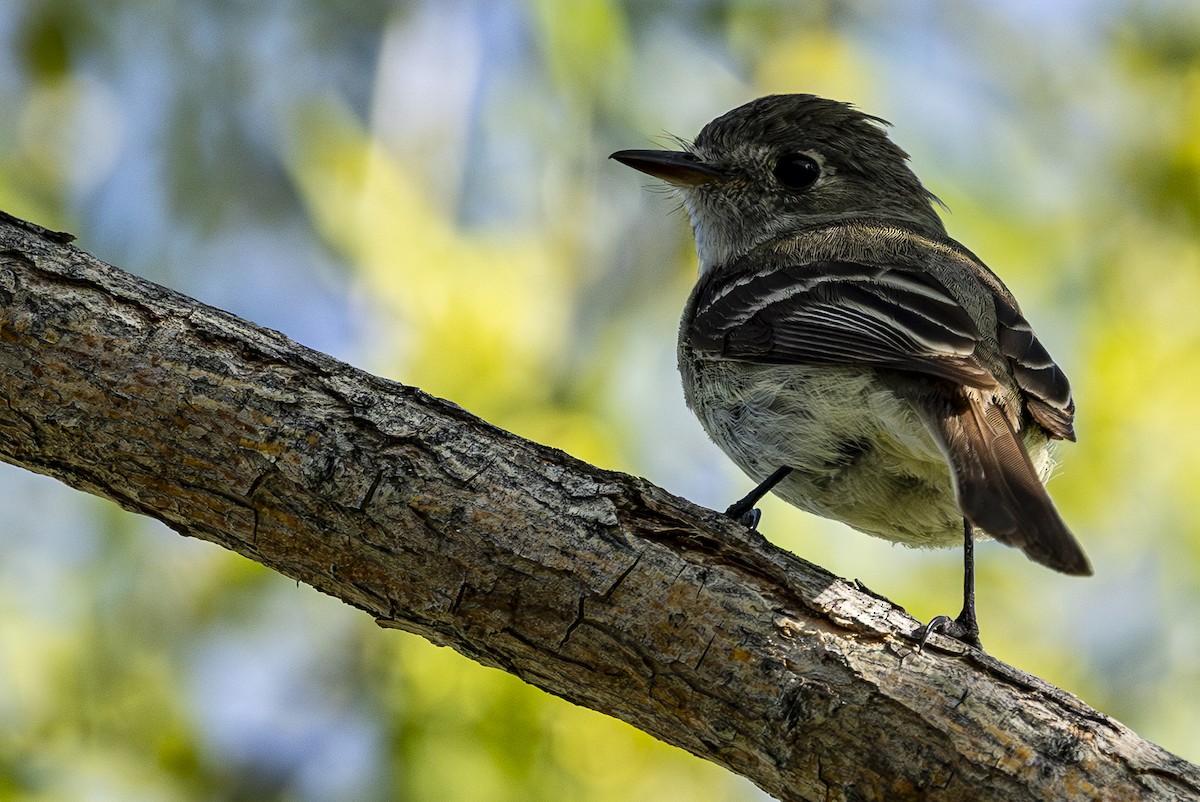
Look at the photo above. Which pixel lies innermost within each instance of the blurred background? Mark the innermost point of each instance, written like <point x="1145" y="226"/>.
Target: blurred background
<point x="422" y="189"/>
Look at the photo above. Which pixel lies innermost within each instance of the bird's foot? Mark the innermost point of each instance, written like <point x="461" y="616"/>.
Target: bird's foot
<point x="743" y="510"/>
<point x="964" y="628"/>
<point x="746" y="516"/>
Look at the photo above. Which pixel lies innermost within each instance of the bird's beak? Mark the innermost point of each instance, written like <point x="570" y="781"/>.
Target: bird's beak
<point x="679" y="168"/>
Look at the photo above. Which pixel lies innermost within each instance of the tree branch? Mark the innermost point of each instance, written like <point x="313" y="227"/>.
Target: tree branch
<point x="593" y="585"/>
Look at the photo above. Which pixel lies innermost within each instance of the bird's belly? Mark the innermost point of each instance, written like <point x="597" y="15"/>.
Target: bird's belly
<point x="859" y="453"/>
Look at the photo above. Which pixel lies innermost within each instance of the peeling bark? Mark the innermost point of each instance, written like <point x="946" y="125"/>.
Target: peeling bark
<point x="593" y="585"/>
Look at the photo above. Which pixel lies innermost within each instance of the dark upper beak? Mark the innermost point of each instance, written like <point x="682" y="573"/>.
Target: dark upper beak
<point x="674" y="167"/>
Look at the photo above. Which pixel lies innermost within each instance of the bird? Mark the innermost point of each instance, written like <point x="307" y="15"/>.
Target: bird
<point x="848" y="354"/>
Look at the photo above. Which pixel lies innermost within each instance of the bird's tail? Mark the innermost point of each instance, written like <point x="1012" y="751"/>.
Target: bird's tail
<point x="998" y="489"/>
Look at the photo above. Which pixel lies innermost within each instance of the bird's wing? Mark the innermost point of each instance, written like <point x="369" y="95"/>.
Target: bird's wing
<point x="1045" y="387"/>
<point x="841" y="313"/>
<point x="883" y="316"/>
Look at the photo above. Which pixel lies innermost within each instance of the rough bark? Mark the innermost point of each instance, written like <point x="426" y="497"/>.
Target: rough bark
<point x="593" y="585"/>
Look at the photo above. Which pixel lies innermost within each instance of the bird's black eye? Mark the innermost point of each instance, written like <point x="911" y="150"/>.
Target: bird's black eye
<point x="797" y="171"/>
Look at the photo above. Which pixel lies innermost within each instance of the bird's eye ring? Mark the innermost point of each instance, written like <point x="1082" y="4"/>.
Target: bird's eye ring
<point x="797" y="171"/>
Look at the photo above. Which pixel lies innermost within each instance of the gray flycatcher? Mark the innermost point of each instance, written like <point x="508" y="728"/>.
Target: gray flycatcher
<point x="848" y="354"/>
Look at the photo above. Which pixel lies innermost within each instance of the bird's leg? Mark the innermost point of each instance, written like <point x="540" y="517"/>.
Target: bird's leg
<point x="965" y="628"/>
<point x="966" y="623"/>
<point x="743" y="510"/>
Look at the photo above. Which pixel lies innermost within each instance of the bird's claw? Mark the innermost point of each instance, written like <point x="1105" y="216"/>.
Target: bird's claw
<point x="961" y="629"/>
<point x="748" y="518"/>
